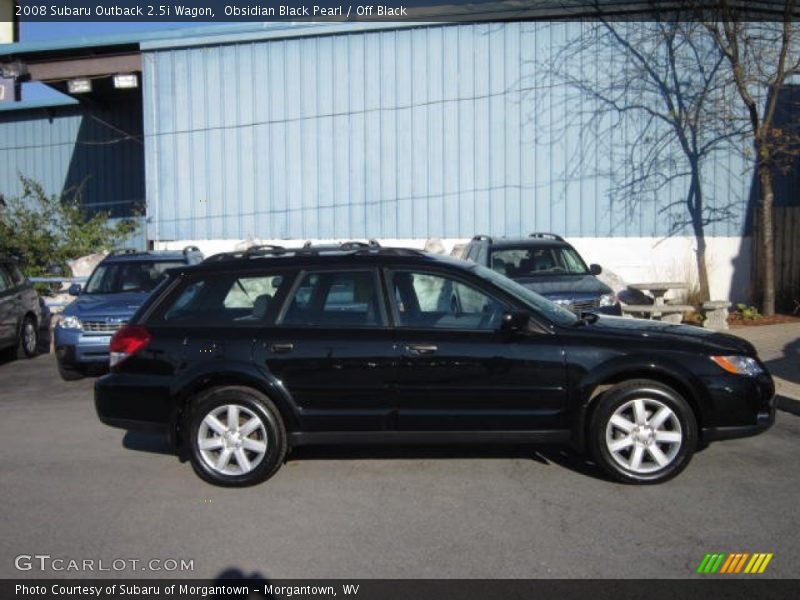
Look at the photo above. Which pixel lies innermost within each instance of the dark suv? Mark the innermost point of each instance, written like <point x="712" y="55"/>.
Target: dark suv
<point x="548" y="265"/>
<point x="20" y="311"/>
<point x="252" y="353"/>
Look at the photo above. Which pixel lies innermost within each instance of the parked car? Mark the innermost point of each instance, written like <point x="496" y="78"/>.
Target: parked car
<point x="548" y="265"/>
<point x="115" y="290"/>
<point x="20" y="311"/>
<point x="252" y="353"/>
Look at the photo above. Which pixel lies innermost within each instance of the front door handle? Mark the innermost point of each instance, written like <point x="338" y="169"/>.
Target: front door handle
<point x="282" y="348"/>
<point x="422" y="349"/>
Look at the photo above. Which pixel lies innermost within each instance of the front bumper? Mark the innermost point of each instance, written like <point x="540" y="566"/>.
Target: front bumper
<point x="76" y="347"/>
<point x="739" y="406"/>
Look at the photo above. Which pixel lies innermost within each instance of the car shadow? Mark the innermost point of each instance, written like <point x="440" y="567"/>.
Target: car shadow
<point x="545" y="455"/>
<point x="566" y="458"/>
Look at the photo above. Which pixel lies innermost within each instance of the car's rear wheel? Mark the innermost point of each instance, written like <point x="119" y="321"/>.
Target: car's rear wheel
<point x="642" y="432"/>
<point x="237" y="437"/>
<point x="28" y="338"/>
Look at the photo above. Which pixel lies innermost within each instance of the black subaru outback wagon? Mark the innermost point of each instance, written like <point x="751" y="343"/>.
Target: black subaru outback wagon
<point x="251" y="353"/>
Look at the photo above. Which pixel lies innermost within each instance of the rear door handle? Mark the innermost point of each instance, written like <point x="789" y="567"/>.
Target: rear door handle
<point x="282" y="348"/>
<point x="421" y="349"/>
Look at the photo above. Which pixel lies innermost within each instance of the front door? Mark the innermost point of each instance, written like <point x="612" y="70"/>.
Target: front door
<point x="459" y="371"/>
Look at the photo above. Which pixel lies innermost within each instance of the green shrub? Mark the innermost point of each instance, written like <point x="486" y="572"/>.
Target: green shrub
<point x="45" y="232"/>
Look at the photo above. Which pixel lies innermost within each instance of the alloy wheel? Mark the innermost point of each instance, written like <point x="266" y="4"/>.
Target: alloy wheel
<point x="644" y="435"/>
<point x="232" y="440"/>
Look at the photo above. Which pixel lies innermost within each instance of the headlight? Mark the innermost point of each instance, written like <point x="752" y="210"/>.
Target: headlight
<point x="739" y="365"/>
<point x="69" y="322"/>
<point x="608" y="300"/>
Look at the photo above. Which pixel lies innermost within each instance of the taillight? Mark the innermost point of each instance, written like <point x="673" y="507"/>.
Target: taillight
<point x="127" y="341"/>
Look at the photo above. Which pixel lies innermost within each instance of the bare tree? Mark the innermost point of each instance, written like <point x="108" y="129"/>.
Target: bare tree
<point x="659" y="81"/>
<point x="761" y="56"/>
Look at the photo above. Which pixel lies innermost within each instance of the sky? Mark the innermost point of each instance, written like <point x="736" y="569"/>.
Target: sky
<point x="32" y="32"/>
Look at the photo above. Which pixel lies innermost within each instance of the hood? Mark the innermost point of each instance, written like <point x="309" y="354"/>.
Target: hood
<point x="715" y="341"/>
<point x="564" y="286"/>
<point x="121" y="305"/>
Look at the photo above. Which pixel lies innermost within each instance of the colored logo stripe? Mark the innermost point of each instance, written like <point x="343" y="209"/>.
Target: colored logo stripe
<point x="721" y="562"/>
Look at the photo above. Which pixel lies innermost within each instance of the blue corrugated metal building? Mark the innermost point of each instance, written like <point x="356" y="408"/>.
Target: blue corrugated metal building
<point x="320" y="131"/>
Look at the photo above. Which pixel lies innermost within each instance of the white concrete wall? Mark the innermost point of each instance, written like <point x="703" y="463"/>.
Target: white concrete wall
<point x="635" y="260"/>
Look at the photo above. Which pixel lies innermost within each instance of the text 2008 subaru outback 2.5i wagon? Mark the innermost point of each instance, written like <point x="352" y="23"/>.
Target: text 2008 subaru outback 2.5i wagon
<point x="250" y="353"/>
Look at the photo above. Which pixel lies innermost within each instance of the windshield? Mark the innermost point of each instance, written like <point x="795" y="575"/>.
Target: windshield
<point x="534" y="261"/>
<point x="555" y="313"/>
<point x="124" y="276"/>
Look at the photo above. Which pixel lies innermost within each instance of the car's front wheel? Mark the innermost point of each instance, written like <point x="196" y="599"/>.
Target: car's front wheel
<point x="237" y="437"/>
<point x="642" y="432"/>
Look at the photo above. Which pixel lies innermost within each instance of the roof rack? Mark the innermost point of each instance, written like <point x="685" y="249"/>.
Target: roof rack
<point x="121" y="251"/>
<point x="308" y="249"/>
<point x="544" y="234"/>
<point x="481" y="237"/>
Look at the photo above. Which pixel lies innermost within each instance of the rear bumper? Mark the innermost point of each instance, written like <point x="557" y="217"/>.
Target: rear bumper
<point x="122" y="401"/>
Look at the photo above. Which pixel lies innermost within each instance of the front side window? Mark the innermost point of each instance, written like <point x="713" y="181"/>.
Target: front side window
<point x="225" y="300"/>
<point x="433" y="301"/>
<point x="335" y="299"/>
<point x="128" y="276"/>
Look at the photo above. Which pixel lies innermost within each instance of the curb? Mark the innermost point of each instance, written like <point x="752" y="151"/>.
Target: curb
<point x="787" y="404"/>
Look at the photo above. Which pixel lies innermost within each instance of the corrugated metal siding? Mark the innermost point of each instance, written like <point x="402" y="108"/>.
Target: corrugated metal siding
<point x="432" y="131"/>
<point x="64" y="147"/>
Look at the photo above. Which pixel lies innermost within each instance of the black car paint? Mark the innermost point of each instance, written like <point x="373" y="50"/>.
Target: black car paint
<point x="366" y="384"/>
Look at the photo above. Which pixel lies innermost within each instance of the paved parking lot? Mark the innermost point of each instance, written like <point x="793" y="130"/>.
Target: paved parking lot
<point x="75" y="489"/>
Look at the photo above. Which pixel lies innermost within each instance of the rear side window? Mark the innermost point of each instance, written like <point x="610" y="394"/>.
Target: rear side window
<point x="335" y="299"/>
<point x="221" y="300"/>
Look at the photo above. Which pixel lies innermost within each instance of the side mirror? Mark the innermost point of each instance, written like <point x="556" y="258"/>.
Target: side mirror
<point x="514" y="321"/>
<point x="74" y="289"/>
<point x="595" y="269"/>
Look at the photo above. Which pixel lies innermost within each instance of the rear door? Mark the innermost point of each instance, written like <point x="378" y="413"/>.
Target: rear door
<point x="332" y="350"/>
<point x="458" y="370"/>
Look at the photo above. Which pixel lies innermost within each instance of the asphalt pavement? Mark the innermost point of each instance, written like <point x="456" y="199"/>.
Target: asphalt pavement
<point x="74" y="489"/>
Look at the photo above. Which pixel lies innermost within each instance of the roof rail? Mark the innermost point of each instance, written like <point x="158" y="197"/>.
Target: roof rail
<point x="120" y="251"/>
<point x="308" y="249"/>
<point x="544" y="234"/>
<point x="481" y="236"/>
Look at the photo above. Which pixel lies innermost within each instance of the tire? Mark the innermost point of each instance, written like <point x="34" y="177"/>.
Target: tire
<point x="642" y="432"/>
<point x="70" y="373"/>
<point x="28" y="344"/>
<point x="236" y="436"/>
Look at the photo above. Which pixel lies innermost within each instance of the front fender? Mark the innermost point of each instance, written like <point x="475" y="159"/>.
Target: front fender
<point x="663" y="369"/>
